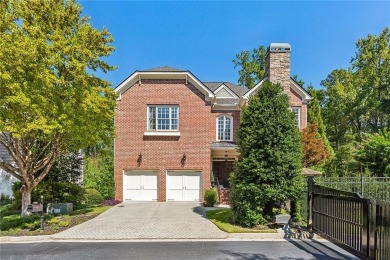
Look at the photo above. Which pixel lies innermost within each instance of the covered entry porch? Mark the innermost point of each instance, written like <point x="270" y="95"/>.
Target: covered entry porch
<point x="223" y="158"/>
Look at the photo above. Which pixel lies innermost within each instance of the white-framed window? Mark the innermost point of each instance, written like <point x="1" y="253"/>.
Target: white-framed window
<point x="224" y="128"/>
<point x="297" y="113"/>
<point x="163" y="118"/>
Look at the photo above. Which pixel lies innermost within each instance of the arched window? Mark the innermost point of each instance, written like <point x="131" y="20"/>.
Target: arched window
<point x="224" y="128"/>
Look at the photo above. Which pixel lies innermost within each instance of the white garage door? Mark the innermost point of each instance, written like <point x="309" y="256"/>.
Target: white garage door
<point x="183" y="186"/>
<point x="140" y="185"/>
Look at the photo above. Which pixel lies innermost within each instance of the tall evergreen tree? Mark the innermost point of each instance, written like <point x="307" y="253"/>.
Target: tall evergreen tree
<point x="269" y="168"/>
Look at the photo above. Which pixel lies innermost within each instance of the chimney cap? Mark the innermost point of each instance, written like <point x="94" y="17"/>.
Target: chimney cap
<point x="279" y="47"/>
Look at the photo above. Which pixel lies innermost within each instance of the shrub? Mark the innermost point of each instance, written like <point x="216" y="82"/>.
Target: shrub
<point x="52" y="192"/>
<point x="92" y="197"/>
<point x="110" y="202"/>
<point x="64" y="223"/>
<point x="210" y="197"/>
<point x="5" y="199"/>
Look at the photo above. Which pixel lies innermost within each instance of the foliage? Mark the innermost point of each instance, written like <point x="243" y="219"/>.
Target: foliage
<point x="252" y="66"/>
<point x="210" y="197"/>
<point x="315" y="118"/>
<point x="355" y="104"/>
<point x="375" y="154"/>
<point x="52" y="192"/>
<point x="269" y="167"/>
<point x="344" y="162"/>
<point x="99" y="172"/>
<point x="372" y="75"/>
<point x="12" y="224"/>
<point x="221" y="218"/>
<point x="5" y="199"/>
<point x="314" y="149"/>
<point x="51" y="100"/>
<point x="339" y="111"/>
<point x="92" y="197"/>
<point x="67" y="167"/>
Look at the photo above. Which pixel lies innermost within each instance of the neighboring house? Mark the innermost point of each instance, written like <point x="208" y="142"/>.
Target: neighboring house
<point x="177" y="135"/>
<point x="6" y="179"/>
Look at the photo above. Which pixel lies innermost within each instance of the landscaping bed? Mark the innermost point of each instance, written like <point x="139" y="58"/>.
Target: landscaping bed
<point x="12" y="224"/>
<point x="221" y="217"/>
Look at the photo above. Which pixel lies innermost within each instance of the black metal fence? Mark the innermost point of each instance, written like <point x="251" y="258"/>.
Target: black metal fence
<point x="361" y="226"/>
<point x="377" y="188"/>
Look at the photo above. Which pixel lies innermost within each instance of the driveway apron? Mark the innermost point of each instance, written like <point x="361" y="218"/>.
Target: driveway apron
<point x="147" y="220"/>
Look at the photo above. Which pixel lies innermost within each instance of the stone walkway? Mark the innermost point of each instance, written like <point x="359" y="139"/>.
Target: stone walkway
<point x="147" y="220"/>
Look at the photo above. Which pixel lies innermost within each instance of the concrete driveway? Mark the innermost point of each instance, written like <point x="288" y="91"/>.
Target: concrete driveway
<point x="147" y="220"/>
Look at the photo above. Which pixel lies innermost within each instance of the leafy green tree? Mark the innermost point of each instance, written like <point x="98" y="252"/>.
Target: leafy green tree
<point x="51" y="100"/>
<point x="375" y="154"/>
<point x="269" y="167"/>
<point x="252" y="66"/>
<point x="372" y="74"/>
<point x="340" y="113"/>
<point x="99" y="172"/>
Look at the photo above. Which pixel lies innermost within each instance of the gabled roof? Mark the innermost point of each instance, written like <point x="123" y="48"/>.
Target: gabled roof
<point x="165" y="69"/>
<point x="164" y="72"/>
<point x="238" y="90"/>
<point x="294" y="85"/>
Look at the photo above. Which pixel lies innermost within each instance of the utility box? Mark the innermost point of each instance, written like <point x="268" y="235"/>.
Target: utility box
<point x="59" y="208"/>
<point x="282" y="219"/>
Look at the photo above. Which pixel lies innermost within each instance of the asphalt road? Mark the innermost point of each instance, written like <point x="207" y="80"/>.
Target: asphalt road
<point x="173" y="250"/>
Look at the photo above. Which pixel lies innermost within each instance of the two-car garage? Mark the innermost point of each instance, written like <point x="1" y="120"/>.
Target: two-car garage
<point x="144" y="185"/>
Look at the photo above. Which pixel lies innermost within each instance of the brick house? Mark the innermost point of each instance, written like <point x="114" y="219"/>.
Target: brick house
<point x="176" y="135"/>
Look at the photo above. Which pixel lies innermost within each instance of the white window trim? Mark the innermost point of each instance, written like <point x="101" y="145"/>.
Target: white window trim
<point x="174" y="132"/>
<point x="299" y="115"/>
<point x="231" y="128"/>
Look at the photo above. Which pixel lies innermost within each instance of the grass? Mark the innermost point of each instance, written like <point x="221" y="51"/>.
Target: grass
<point x="12" y="224"/>
<point x="221" y="217"/>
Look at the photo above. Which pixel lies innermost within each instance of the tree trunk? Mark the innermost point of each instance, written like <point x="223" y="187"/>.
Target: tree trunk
<point x="26" y="200"/>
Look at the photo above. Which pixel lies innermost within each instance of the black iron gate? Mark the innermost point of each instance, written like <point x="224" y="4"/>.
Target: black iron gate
<point x="359" y="225"/>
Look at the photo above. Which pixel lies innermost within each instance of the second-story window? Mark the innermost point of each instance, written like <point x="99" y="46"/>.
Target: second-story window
<point x="224" y="128"/>
<point x="163" y="118"/>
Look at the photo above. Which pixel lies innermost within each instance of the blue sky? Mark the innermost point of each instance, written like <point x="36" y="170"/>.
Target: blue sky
<point x="205" y="36"/>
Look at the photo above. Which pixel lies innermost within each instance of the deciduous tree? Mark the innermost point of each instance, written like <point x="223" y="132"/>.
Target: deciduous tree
<point x="51" y="101"/>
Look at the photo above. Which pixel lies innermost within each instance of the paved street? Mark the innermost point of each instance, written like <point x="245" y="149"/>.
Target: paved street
<point x="147" y="220"/>
<point x="174" y="250"/>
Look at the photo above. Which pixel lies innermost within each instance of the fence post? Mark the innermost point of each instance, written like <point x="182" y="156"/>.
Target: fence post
<point x="310" y="184"/>
<point x="366" y="227"/>
<point x="372" y="230"/>
<point x="362" y="185"/>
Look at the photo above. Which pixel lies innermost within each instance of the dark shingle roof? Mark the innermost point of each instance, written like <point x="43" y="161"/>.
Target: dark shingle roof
<point x="238" y="90"/>
<point x="227" y="101"/>
<point x="164" y="69"/>
<point x="4" y="155"/>
<point x="223" y="144"/>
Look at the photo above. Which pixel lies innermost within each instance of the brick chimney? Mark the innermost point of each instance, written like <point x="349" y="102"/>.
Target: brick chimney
<point x="278" y="65"/>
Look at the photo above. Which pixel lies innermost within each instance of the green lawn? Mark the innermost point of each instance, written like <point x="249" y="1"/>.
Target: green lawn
<point x="12" y="224"/>
<point x="220" y="218"/>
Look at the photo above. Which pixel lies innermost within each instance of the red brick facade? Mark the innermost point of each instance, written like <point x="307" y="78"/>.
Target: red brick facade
<point x="199" y="105"/>
<point x="197" y="128"/>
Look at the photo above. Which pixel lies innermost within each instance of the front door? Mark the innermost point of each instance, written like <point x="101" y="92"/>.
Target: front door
<point x="222" y="170"/>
